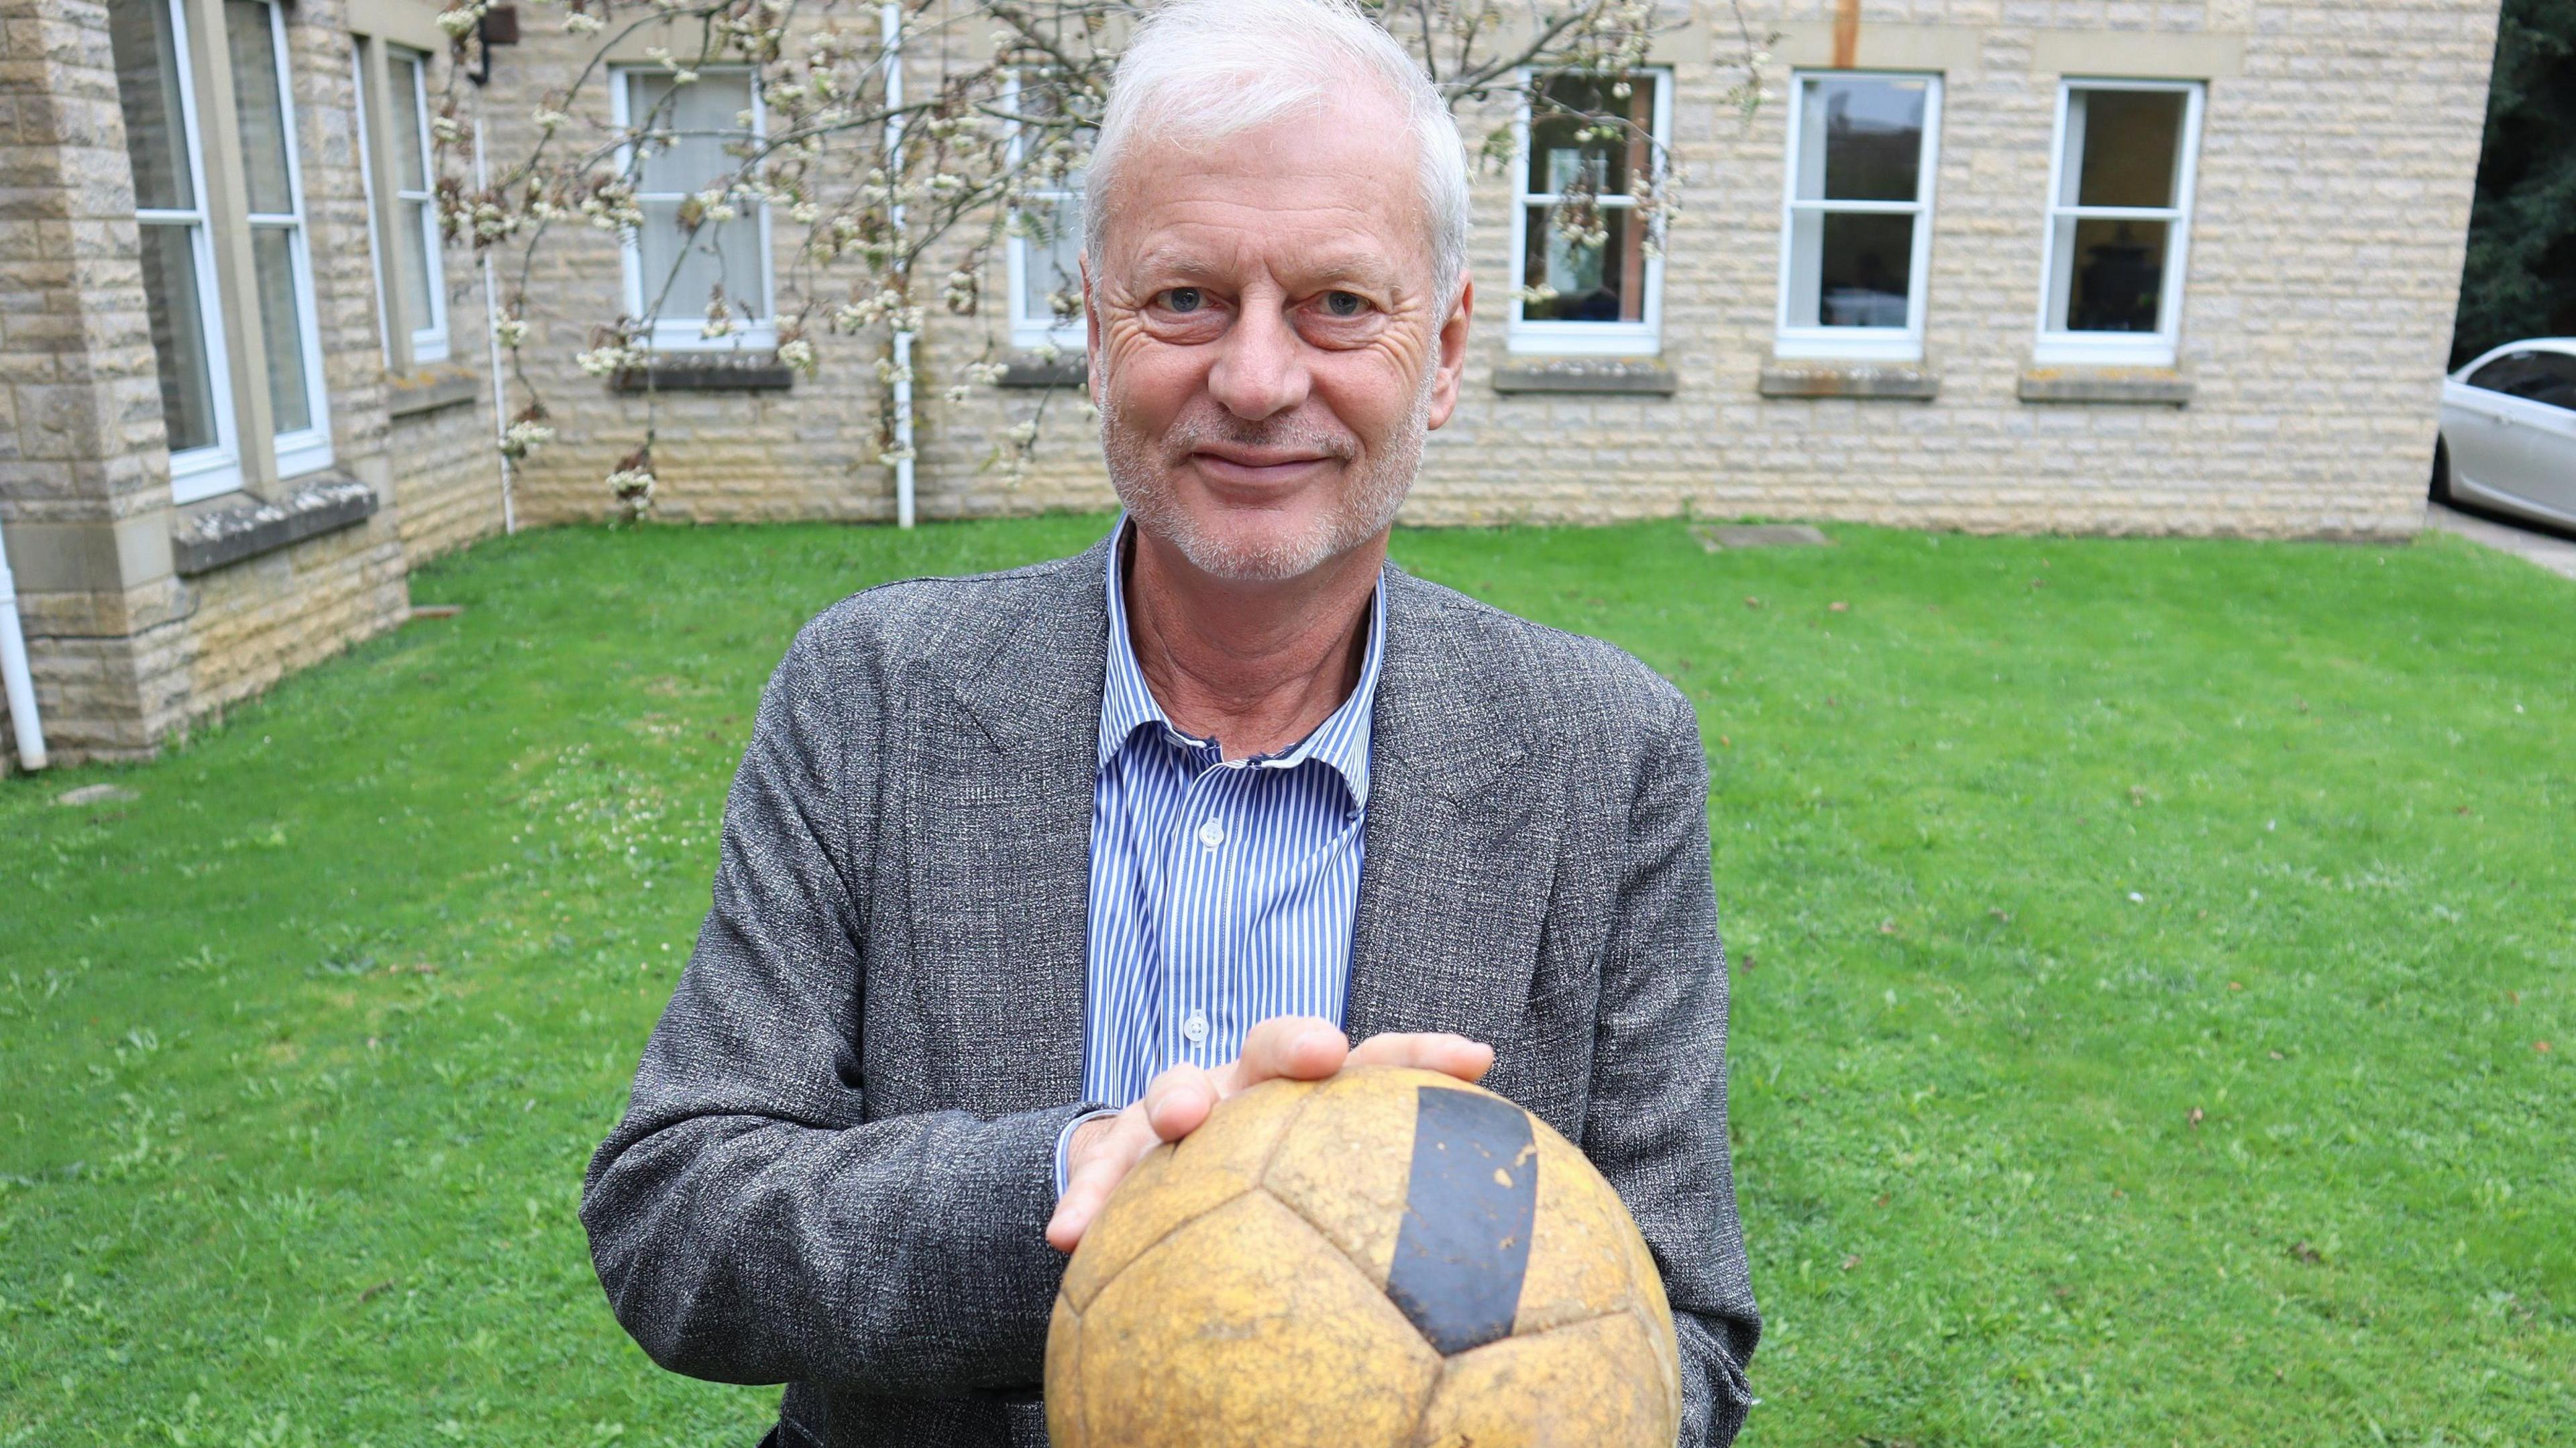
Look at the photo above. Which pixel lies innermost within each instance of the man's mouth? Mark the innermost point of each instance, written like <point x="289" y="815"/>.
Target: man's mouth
<point x="1257" y="465"/>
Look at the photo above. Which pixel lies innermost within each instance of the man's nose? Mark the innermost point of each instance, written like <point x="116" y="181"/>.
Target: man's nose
<point x="1260" y="369"/>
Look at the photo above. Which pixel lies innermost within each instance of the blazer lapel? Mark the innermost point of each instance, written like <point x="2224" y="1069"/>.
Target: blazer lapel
<point x="1461" y="835"/>
<point x="1001" y="831"/>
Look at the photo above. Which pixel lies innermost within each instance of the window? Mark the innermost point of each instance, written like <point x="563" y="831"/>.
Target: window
<point x="149" y="40"/>
<point x="2119" y="222"/>
<point x="281" y="265"/>
<point x="2544" y="377"/>
<point x="1045" y="250"/>
<point x="414" y="288"/>
<point x="1857" y="217"/>
<point x="1600" y="294"/>
<point x="672" y="275"/>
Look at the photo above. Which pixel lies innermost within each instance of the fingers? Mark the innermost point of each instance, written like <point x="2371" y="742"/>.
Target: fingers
<point x="1301" y="1048"/>
<point x="1096" y="1172"/>
<point x="1178" y="1100"/>
<point x="1451" y="1055"/>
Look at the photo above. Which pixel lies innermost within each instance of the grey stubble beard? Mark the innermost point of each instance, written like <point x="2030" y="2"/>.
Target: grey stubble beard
<point x="1361" y="513"/>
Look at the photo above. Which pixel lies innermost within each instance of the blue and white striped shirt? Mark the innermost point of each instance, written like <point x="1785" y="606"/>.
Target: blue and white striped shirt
<point x="1222" y="891"/>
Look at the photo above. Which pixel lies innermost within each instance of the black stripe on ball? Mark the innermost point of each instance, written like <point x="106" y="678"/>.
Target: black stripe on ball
<point x="1468" y="1205"/>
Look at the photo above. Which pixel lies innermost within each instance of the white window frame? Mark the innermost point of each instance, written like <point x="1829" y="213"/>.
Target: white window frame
<point x="688" y="334"/>
<point x="1557" y="338"/>
<point x="428" y="341"/>
<point x="1866" y="344"/>
<point x="307" y="449"/>
<point x="1033" y="323"/>
<point x="376" y="249"/>
<point x="2118" y="349"/>
<point x="216" y="468"/>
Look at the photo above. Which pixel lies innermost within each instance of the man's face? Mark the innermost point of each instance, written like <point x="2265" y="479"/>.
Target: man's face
<point x="1266" y="350"/>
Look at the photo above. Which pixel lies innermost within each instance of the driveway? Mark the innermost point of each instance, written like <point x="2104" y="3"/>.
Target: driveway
<point x="2558" y="555"/>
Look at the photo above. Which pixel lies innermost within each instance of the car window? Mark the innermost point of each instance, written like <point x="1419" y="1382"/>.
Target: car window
<point x="2544" y="377"/>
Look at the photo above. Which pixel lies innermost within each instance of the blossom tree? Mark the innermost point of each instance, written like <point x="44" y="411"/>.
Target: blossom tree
<point x="908" y="141"/>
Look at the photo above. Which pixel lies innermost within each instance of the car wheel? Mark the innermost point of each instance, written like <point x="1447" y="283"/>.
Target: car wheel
<point x="2441" y="469"/>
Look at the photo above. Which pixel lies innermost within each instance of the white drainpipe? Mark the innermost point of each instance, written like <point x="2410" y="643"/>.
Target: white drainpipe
<point x="890" y="30"/>
<point x="492" y="335"/>
<point x="13" y="672"/>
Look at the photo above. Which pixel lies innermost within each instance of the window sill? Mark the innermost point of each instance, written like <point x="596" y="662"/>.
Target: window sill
<point x="757" y="372"/>
<point x="2135" y="386"/>
<point x="1073" y="369"/>
<point x="1868" y="381"/>
<point x="230" y="529"/>
<point x="428" y="390"/>
<point x="1632" y="376"/>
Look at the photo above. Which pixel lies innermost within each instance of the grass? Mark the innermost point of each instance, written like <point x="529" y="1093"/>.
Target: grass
<point x="2142" y="947"/>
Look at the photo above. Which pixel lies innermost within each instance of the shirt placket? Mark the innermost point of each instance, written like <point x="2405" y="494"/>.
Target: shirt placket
<point x="1198" y="908"/>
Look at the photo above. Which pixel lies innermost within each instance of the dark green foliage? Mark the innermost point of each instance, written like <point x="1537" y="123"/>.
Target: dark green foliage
<point x="2141" y="949"/>
<point x="2521" y="275"/>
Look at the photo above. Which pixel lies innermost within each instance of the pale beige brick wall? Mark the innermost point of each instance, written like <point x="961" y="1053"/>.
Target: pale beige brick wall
<point x="446" y="477"/>
<point x="82" y="460"/>
<point x="2333" y="193"/>
<point x="126" y="651"/>
<point x="260" y="620"/>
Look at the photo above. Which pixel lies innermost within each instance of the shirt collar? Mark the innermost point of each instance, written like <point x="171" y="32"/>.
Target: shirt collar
<point x="1127" y="703"/>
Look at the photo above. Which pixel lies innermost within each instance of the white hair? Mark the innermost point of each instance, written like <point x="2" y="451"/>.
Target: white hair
<point x="1199" y="71"/>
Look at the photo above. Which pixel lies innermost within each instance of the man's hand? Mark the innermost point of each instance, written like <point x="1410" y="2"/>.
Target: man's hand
<point x="1299" y="1048"/>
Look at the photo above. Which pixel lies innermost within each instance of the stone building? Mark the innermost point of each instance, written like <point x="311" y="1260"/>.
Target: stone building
<point x="2031" y="265"/>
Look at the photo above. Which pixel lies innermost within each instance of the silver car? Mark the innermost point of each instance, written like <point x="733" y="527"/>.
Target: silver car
<point x="2509" y="432"/>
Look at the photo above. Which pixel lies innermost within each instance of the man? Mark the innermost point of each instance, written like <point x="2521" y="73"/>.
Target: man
<point x="1022" y="873"/>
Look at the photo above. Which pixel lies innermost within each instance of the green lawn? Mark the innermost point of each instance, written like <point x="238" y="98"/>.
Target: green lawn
<point x="2143" y="950"/>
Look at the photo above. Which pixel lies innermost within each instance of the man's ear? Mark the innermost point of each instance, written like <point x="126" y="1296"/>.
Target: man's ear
<point x="1452" y="363"/>
<point x="1090" y="330"/>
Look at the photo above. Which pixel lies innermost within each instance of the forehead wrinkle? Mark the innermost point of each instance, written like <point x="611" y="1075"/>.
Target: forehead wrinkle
<point x="1206" y="250"/>
<point x="1252" y="187"/>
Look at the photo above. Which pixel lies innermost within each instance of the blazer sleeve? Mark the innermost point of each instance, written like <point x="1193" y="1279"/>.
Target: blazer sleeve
<point x="748" y="1221"/>
<point x="1657" y="1127"/>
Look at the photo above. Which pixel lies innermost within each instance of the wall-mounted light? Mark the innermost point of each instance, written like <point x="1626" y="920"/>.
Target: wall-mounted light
<point x="499" y="25"/>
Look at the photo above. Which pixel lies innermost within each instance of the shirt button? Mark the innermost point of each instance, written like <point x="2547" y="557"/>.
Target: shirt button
<point x="1195" y="1027"/>
<point x="1212" y="834"/>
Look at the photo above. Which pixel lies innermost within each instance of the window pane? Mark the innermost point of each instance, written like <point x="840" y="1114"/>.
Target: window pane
<point x="260" y="105"/>
<point x="2116" y="274"/>
<point x="281" y="326"/>
<point x="171" y="305"/>
<point x="147" y="89"/>
<point x="1850" y="270"/>
<point x="2558" y="381"/>
<point x="411" y="168"/>
<point x="2132" y="140"/>
<point x="1566" y="147"/>
<point x="411" y="263"/>
<point x="1054" y="259"/>
<point x="2548" y="377"/>
<point x="702" y="114"/>
<point x="1592" y="283"/>
<point x="728" y="253"/>
<point x="1863" y="139"/>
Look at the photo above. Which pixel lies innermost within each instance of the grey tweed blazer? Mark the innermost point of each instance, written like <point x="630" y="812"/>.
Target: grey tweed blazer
<point x="838" y="1159"/>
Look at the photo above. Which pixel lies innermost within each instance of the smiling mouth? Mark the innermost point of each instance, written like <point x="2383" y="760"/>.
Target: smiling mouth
<point x="1256" y="467"/>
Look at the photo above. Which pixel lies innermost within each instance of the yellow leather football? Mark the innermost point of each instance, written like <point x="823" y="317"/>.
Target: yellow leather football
<point x="1389" y="1257"/>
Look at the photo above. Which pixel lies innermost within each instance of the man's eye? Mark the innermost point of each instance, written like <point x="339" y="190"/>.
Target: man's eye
<point x="1182" y="299"/>
<point x="1344" y="304"/>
